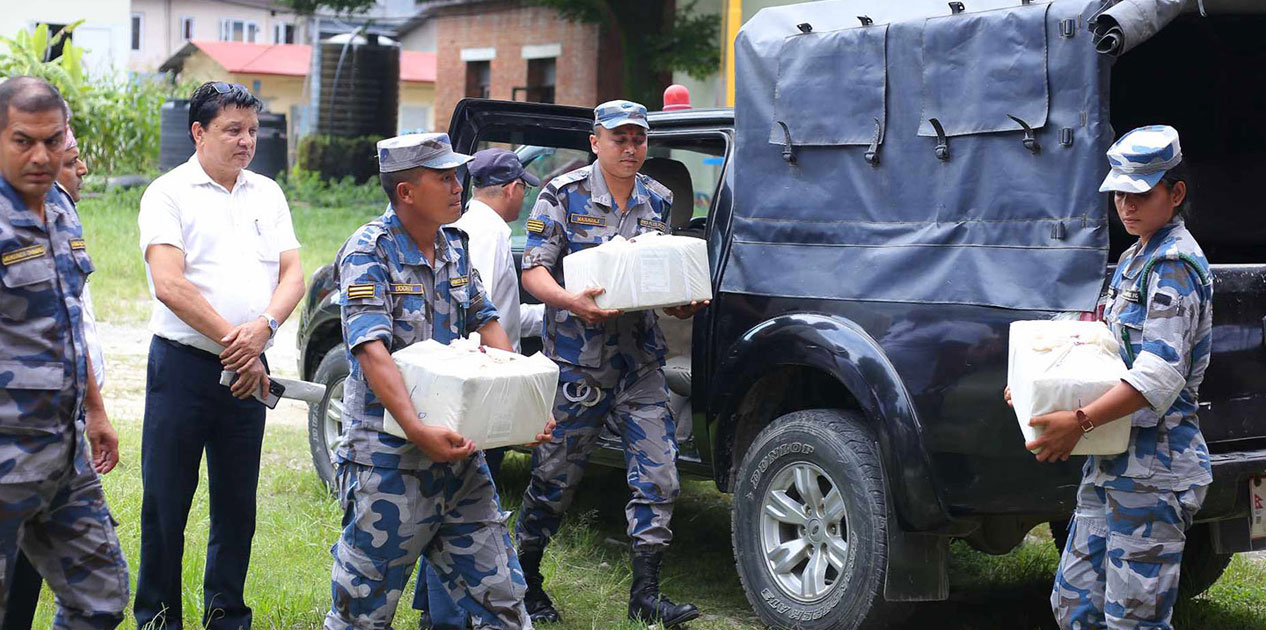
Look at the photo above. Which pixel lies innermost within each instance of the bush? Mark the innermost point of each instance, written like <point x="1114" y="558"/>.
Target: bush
<point x="115" y="120"/>
<point x="335" y="158"/>
<point x="309" y="187"/>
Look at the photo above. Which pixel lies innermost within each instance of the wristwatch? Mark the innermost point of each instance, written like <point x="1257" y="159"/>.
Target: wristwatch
<point x="1087" y="425"/>
<point x="273" y="324"/>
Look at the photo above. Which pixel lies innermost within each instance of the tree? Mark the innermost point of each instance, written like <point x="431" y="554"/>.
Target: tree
<point x="656" y="38"/>
<point x="309" y="7"/>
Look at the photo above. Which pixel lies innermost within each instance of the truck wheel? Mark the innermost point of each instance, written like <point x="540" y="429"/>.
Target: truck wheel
<point x="325" y="420"/>
<point x="810" y="523"/>
<point x="1201" y="565"/>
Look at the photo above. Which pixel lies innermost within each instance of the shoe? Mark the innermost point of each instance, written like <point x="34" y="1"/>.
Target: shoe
<point x="646" y="604"/>
<point x="539" y="607"/>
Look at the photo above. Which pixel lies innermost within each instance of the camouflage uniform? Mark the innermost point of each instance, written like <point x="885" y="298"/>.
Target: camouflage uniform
<point x="612" y="369"/>
<point x="52" y="506"/>
<point x="1120" y="566"/>
<point x="397" y="503"/>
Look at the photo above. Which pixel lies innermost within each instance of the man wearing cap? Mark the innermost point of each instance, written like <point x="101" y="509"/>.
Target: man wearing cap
<point x="52" y="506"/>
<point x="404" y="278"/>
<point x="1120" y="567"/>
<point x="223" y="266"/>
<point x="611" y="363"/>
<point x="500" y="184"/>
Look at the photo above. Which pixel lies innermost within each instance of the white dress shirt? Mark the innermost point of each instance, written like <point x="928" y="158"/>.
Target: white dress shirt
<point x="490" y="253"/>
<point x="232" y="243"/>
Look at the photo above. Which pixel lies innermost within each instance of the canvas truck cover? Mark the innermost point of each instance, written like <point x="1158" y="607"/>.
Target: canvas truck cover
<point x="938" y="157"/>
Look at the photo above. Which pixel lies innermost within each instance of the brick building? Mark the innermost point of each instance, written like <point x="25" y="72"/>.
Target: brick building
<point x="503" y="49"/>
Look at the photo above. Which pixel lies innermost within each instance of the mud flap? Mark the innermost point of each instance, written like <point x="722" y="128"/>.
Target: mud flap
<point x="918" y="566"/>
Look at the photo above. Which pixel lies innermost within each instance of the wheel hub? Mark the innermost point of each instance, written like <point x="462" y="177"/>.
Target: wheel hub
<point x="804" y="532"/>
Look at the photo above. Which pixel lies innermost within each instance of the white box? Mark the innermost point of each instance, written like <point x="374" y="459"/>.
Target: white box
<point x="491" y="397"/>
<point x="1061" y="366"/>
<point x="649" y="271"/>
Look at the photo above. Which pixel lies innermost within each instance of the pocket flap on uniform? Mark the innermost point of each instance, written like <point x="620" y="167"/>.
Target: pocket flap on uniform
<point x="85" y="262"/>
<point x="35" y="375"/>
<point x="28" y="272"/>
<point x="354" y="566"/>
<point x="1139" y="549"/>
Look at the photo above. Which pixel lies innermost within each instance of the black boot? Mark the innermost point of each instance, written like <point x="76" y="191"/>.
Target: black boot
<point x="646" y="604"/>
<point x="538" y="604"/>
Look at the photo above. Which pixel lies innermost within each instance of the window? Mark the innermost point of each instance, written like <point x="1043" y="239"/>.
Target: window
<point x="55" y="50"/>
<point x="540" y="75"/>
<point x="478" y="79"/>
<point x="186" y="28"/>
<point x="239" y="31"/>
<point x="138" y="23"/>
<point x="283" y="33"/>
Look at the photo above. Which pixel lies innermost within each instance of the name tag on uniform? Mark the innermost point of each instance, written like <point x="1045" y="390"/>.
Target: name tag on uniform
<point x="653" y="224"/>
<point x="586" y="219"/>
<point x="536" y="225"/>
<point x="359" y="291"/>
<point x="459" y="281"/>
<point x="406" y="289"/>
<point x="19" y="255"/>
<point x="78" y="243"/>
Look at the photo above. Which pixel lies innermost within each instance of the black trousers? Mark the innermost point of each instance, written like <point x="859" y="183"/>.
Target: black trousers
<point x="187" y="412"/>
<point x="24" y="594"/>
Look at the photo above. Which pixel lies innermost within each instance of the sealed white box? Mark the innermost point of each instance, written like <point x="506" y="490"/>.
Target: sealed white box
<point x="649" y="271"/>
<point x="1061" y="366"/>
<point x="491" y="397"/>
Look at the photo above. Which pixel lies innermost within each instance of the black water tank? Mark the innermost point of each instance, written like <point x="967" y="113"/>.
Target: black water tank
<point x="175" y="145"/>
<point x="360" y="96"/>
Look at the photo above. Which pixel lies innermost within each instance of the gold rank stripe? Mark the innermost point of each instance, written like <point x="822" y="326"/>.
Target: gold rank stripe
<point x="459" y="281"/>
<point x="408" y="289"/>
<point x="360" y="291"/>
<point x="25" y="253"/>
<point x="585" y="219"/>
<point x="654" y="225"/>
<point x="78" y="243"/>
<point x="535" y="225"/>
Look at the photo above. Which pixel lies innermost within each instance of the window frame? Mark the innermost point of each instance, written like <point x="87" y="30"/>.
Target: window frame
<point x="186" y="28"/>
<point x="136" y="40"/>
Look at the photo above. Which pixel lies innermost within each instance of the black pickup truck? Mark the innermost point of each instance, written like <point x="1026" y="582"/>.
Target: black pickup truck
<point x="860" y="433"/>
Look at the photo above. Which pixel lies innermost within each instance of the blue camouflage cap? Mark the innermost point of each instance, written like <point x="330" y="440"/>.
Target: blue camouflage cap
<point x="429" y="150"/>
<point x="1140" y="159"/>
<point x="612" y="114"/>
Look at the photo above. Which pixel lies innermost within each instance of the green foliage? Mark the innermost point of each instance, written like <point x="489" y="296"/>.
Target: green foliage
<point x="116" y="121"/>
<point x="656" y="42"/>
<point x="309" y="187"/>
<point x="347" y="7"/>
<point x="335" y="158"/>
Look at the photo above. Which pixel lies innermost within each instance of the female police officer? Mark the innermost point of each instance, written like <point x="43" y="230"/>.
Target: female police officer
<point x="1120" y="566"/>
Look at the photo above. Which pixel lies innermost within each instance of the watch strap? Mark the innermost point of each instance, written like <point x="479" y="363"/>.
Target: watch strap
<point x="1087" y="425"/>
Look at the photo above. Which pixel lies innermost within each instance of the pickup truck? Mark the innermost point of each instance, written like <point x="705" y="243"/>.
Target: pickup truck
<point x="852" y="409"/>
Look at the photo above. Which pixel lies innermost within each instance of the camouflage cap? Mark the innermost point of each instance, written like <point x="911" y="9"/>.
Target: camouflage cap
<point x="429" y="150"/>
<point x="612" y="114"/>
<point x="1140" y="159"/>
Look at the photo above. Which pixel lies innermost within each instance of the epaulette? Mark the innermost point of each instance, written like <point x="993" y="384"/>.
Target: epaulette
<point x="571" y="177"/>
<point x="656" y="188"/>
<point x="365" y="238"/>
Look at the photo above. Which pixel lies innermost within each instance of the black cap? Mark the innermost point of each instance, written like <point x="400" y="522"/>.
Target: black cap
<point x="493" y="167"/>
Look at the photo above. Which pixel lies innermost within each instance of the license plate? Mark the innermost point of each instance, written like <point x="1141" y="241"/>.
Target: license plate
<point x="1257" y="505"/>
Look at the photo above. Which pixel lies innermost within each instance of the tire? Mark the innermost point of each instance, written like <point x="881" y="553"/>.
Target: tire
<point x="1201" y="565"/>
<point x="325" y="425"/>
<point x="833" y="450"/>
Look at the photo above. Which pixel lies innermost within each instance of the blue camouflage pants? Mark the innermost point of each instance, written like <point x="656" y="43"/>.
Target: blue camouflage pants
<point x="65" y="529"/>
<point x="451" y="513"/>
<point x="1120" y="567"/>
<point x="638" y="404"/>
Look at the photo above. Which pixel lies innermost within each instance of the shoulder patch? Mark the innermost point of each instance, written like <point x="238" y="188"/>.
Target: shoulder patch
<point x="653" y="224"/>
<point x="360" y="291"/>
<point x="78" y="243"/>
<point x="536" y="225"/>
<point x="577" y="218"/>
<point x="21" y="254"/>
<point x="459" y="281"/>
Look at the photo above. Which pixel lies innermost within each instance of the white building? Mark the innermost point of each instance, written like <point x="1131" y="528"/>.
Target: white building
<point x="104" y="33"/>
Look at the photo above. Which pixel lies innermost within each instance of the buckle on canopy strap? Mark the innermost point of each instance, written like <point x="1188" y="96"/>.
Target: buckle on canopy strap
<point x="872" y="152"/>
<point x="1030" y="138"/>
<point x="788" y="151"/>
<point x="942" y="142"/>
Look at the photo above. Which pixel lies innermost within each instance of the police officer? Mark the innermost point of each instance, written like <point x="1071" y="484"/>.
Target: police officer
<point x="612" y="363"/>
<point x="52" y="506"/>
<point x="1120" y="566"/>
<point x="404" y="279"/>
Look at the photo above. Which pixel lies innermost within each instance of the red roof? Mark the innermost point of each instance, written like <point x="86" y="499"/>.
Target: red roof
<point x="294" y="60"/>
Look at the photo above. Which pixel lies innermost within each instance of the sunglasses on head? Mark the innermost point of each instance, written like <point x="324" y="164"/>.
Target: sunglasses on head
<point x="221" y="87"/>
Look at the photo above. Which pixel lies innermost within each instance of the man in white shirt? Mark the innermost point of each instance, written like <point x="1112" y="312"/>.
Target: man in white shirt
<point x="223" y="268"/>
<point x="499" y="186"/>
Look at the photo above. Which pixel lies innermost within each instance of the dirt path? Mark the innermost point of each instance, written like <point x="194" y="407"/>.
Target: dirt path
<point x="126" y="349"/>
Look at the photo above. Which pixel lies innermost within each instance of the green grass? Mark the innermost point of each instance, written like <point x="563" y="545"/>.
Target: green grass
<point x="587" y="566"/>
<point x="119" y="290"/>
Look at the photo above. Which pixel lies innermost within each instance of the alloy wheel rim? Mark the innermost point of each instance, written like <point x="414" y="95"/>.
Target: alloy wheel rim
<point x="804" y="532"/>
